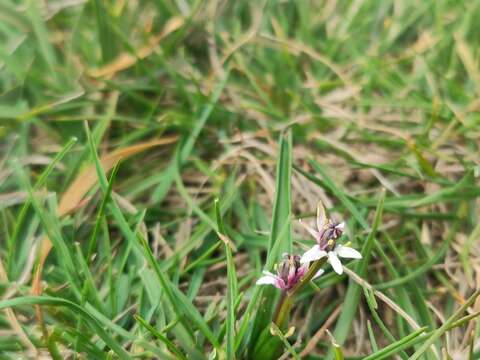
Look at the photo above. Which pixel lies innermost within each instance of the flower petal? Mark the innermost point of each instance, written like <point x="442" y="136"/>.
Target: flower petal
<point x="267" y="280"/>
<point x="335" y="262"/>
<point x="347" y="252"/>
<point x="313" y="254"/>
<point x="302" y="270"/>
<point x="268" y="273"/>
<point x="321" y="217"/>
<point x="340" y="226"/>
<point x="280" y="283"/>
<point x="311" y="230"/>
<point x="318" y="273"/>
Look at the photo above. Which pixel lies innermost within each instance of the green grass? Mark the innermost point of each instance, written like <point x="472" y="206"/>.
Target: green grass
<point x="235" y="118"/>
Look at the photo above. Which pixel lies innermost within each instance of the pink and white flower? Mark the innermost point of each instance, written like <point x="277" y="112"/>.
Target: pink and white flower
<point x="289" y="272"/>
<point x="326" y="235"/>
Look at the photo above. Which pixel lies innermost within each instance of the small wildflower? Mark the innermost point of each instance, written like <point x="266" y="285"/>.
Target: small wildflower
<point x="326" y="236"/>
<point x="289" y="272"/>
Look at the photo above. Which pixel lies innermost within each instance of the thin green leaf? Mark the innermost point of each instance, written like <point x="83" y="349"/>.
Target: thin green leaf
<point x="281" y="216"/>
<point x="52" y="229"/>
<point x="184" y="150"/>
<point x="352" y="295"/>
<point x="339" y="193"/>
<point x="231" y="285"/>
<point x="37" y="186"/>
<point x="442" y="329"/>
<point x="171" y="346"/>
<point x="401" y="344"/>
<point x="76" y="309"/>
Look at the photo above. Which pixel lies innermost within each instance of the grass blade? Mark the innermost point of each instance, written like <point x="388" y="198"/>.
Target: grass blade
<point x="352" y="295"/>
<point x="76" y="309"/>
<point x="339" y="194"/>
<point x="51" y="228"/>
<point x="175" y="297"/>
<point x="184" y="150"/>
<point x="39" y="184"/>
<point x="442" y="329"/>
<point x="281" y="217"/>
<point x="171" y="346"/>
<point x="401" y="344"/>
<point x="231" y="285"/>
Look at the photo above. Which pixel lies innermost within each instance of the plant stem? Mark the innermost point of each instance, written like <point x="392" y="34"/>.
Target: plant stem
<point x="283" y="295"/>
<point x="286" y="299"/>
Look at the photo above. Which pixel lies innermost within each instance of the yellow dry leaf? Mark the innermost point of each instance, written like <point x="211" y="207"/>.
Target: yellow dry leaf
<point x="126" y="60"/>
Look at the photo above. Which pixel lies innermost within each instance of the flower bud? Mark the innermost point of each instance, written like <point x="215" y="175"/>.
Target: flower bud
<point x="290" y="270"/>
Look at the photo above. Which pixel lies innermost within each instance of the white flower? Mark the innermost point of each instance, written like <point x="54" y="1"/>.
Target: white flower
<point x="326" y="235"/>
<point x="289" y="273"/>
<point x="339" y="251"/>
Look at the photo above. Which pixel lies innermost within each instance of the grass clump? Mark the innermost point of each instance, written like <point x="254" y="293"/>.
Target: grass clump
<point x="156" y="156"/>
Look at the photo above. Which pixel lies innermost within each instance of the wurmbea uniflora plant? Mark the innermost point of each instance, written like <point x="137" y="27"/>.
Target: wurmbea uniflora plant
<point x="295" y="271"/>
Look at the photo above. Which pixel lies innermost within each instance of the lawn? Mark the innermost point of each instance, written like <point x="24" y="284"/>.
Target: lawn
<point x="157" y="157"/>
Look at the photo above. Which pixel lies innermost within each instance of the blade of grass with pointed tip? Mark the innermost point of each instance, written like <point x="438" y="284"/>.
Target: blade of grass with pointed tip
<point x="425" y="266"/>
<point x="281" y="216"/>
<point x="231" y="288"/>
<point x="101" y="212"/>
<point x="50" y="227"/>
<point x="170" y="346"/>
<point x="352" y="296"/>
<point x="26" y="206"/>
<point x="188" y="199"/>
<point x="403" y="293"/>
<point x="184" y="150"/>
<point x="121" y="332"/>
<point x="76" y="309"/>
<point x="104" y="31"/>
<point x="246" y="318"/>
<point x="98" y="133"/>
<point x="89" y="290"/>
<point x="76" y="191"/>
<point x="411" y="340"/>
<point x="388" y="351"/>
<point x="442" y="329"/>
<point x="371" y="303"/>
<point x="339" y="193"/>
<point x="282" y="207"/>
<point x="175" y="297"/>
<point x="371" y="335"/>
<point x="178" y="300"/>
<point x="201" y="231"/>
<point x="40" y="31"/>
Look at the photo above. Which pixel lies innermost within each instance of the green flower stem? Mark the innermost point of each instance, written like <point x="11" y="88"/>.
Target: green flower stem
<point x="286" y="299"/>
<point x="283" y="295"/>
